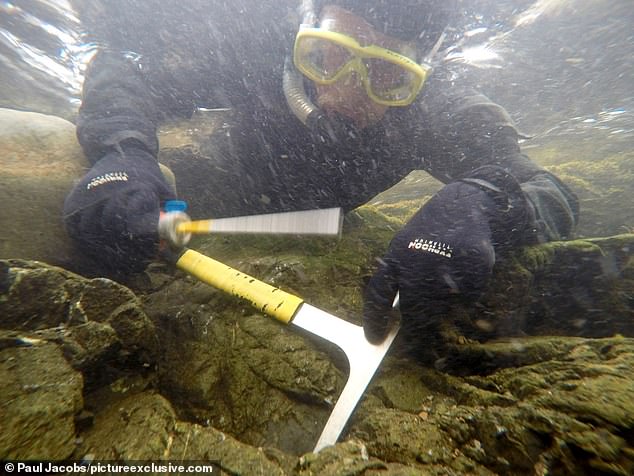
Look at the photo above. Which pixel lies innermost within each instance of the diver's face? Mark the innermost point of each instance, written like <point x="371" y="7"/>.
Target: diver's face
<point x="347" y="97"/>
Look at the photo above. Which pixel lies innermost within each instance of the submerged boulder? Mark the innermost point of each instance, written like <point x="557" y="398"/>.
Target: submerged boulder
<point x="98" y="324"/>
<point x="40" y="160"/>
<point x="573" y="288"/>
<point x="543" y="406"/>
<point x="144" y="427"/>
<point x="41" y="395"/>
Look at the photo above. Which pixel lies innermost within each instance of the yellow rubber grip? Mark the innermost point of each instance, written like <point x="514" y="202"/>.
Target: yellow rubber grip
<point x="194" y="227"/>
<point x="264" y="297"/>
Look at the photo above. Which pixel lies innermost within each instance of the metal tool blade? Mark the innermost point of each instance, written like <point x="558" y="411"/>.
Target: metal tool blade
<point x="326" y="222"/>
<point x="364" y="359"/>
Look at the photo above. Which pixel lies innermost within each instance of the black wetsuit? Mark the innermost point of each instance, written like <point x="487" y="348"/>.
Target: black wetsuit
<point x="264" y="159"/>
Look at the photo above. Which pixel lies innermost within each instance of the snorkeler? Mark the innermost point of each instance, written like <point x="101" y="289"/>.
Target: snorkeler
<point x="325" y="113"/>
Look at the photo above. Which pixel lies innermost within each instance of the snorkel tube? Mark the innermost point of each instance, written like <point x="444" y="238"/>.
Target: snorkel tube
<point x="297" y="97"/>
<point x="293" y="82"/>
<point x="331" y="129"/>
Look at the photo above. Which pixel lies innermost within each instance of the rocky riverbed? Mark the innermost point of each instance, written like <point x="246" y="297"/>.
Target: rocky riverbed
<point x="536" y="379"/>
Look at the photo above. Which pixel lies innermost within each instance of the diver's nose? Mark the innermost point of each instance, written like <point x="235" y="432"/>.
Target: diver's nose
<point x="352" y="79"/>
<point x="351" y="88"/>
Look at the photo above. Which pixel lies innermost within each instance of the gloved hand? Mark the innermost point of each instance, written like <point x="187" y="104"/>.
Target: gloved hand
<point x="445" y="250"/>
<point x="112" y="213"/>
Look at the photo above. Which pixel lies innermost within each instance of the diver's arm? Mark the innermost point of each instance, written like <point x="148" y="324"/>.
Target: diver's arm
<point x="480" y="145"/>
<point x="112" y="212"/>
<point x="495" y="198"/>
<point x="117" y="110"/>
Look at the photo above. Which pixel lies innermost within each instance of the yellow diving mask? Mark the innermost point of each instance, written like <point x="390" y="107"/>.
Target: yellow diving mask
<point x="390" y="78"/>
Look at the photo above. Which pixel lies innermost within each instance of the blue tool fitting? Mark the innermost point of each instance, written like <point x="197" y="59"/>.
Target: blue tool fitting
<point x="175" y="206"/>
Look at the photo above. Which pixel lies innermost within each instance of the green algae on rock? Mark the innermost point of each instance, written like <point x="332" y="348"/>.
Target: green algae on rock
<point x="41" y="394"/>
<point x="98" y="323"/>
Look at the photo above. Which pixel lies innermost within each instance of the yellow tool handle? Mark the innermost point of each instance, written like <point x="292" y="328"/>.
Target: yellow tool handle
<point x="268" y="299"/>
<point x="194" y="227"/>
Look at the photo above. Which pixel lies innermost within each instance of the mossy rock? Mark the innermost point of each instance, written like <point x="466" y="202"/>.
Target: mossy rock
<point x="99" y="324"/>
<point x="41" y="396"/>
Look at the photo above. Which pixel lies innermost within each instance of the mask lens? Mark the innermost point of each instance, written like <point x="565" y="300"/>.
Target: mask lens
<point x="389" y="81"/>
<point x="321" y="59"/>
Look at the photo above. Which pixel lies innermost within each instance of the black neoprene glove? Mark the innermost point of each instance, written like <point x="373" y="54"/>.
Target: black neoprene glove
<point x="112" y="213"/>
<point x="446" y="249"/>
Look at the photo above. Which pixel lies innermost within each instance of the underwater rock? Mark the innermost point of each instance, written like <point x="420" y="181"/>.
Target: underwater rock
<point x="601" y="173"/>
<point x="239" y="372"/>
<point x="350" y="457"/>
<point x="40" y="160"/>
<point x="197" y="443"/>
<point x="41" y="394"/>
<point x="144" y="427"/>
<point x="98" y="324"/>
<point x="574" y="288"/>
<point x="559" y="405"/>
<point x="136" y="427"/>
